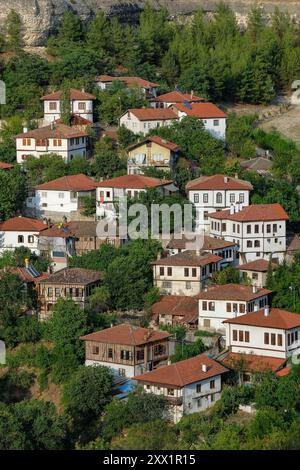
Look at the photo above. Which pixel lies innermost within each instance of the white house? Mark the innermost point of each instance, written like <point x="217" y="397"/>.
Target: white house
<point x="189" y="386"/>
<point x="61" y="196"/>
<point x="58" y="138"/>
<point x="256" y="272"/>
<point x="213" y="193"/>
<point x="20" y="231"/>
<point x="81" y="104"/>
<point x="260" y="230"/>
<point x="186" y="273"/>
<point x="270" y="332"/>
<point x="221" y="302"/>
<point x="149" y="88"/>
<point x="141" y="121"/>
<point x="174" y="97"/>
<point x="213" y="118"/>
<point x="127" y="349"/>
<point x="108" y="192"/>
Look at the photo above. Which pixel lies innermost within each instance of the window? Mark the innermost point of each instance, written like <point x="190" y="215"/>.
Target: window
<point x="44" y="194"/>
<point x="205" y="198"/>
<point x="279" y="340"/>
<point x="211" y="306"/>
<point x="223" y="227"/>
<point x="232" y="198"/>
<point x="53" y="106"/>
<point x="247" y="337"/>
<point x="242" y="308"/>
<point x="110" y="353"/>
<point x="95" y="350"/>
<point x="273" y="339"/>
<point x="30" y="238"/>
<point x="234" y="335"/>
<point x="248" y="228"/>
<point x="241" y="198"/>
<point x="266" y="338"/>
<point x="167" y="284"/>
<point x="122" y="372"/>
<point x="198" y="388"/>
<point x="206" y="323"/>
<point x="82" y="105"/>
<point x="228" y="307"/>
<point x="241" y="336"/>
<point x="194" y="272"/>
<point x="169" y="270"/>
<point x="61" y="195"/>
<point x="256" y="228"/>
<point x="186" y="272"/>
<point x="249" y="244"/>
<point x="161" y="271"/>
<point x="126" y="355"/>
<point x="255" y="276"/>
<point x="257" y="243"/>
<point x="57" y="292"/>
<point x="212" y="398"/>
<point x="219" y="198"/>
<point x="212" y="384"/>
<point x="20" y="239"/>
<point x="268" y="228"/>
<point x="140" y="355"/>
<point x="196" y="198"/>
<point x="235" y="307"/>
<point x="216" y="122"/>
<point x="26" y="142"/>
<point x="204" y="305"/>
<point x="50" y="292"/>
<point x="170" y="391"/>
<point x="274" y="228"/>
<point x="188" y="285"/>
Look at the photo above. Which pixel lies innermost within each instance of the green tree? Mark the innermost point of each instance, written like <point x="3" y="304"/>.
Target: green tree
<point x="13" y="31"/>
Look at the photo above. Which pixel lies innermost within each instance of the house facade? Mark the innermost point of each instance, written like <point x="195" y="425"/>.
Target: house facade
<point x="190" y="386"/>
<point x="172" y="310"/>
<point x="185" y="273"/>
<point x="256" y="272"/>
<point x="174" y="97"/>
<point x="81" y="104"/>
<point x="74" y="283"/>
<point x="213" y="118"/>
<point x="221" y="302"/>
<point x="62" y="196"/>
<point x="143" y="120"/>
<point x="57" y="138"/>
<point x="152" y="152"/>
<point x="126" y="349"/>
<point x="259" y="230"/>
<point x="149" y="88"/>
<point x="214" y="193"/>
<point x="20" y="231"/>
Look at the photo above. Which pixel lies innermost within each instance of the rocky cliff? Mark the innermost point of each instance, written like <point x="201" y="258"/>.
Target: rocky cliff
<point x="41" y="17"/>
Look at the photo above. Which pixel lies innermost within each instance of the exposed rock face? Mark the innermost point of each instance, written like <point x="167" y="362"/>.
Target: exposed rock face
<point x="42" y="17"/>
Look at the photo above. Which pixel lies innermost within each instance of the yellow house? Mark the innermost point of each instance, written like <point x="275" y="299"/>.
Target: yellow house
<point x="153" y="151"/>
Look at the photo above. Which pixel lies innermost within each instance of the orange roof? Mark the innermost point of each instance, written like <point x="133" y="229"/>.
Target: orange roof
<point x="57" y="130"/>
<point x="201" y="110"/>
<point x="254" y="363"/>
<point x="22" y="224"/>
<point x="133" y="182"/>
<point x="256" y="212"/>
<point x="79" y="182"/>
<point x="209" y="243"/>
<point x="219" y="182"/>
<point x="177" y="97"/>
<point x="76" y="120"/>
<point x="188" y="258"/>
<point x="283" y="372"/>
<point x="74" y="95"/>
<point x="157" y="140"/>
<point x="126" y="334"/>
<point x="183" y="372"/>
<point x="177" y="305"/>
<point x="5" y="166"/>
<point x="260" y="265"/>
<point x="277" y="318"/>
<point x="232" y="292"/>
<point x="152" y="114"/>
<point x="128" y="80"/>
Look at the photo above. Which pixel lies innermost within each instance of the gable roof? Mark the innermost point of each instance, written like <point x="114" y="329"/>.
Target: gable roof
<point x="277" y="318"/>
<point x="257" y="164"/>
<point x="22" y="224"/>
<point x="209" y="243"/>
<point x="188" y="258"/>
<point x="56" y="130"/>
<point x="133" y="182"/>
<point x="128" y="80"/>
<point x="5" y="166"/>
<point x="256" y="212"/>
<point x="152" y="114"/>
<point x="183" y="372"/>
<point x="157" y="140"/>
<point x="78" y="182"/>
<point x="260" y="265"/>
<point x="177" y="305"/>
<point x="219" y="182"/>
<point x="73" y="276"/>
<point x="126" y="334"/>
<point x="232" y="292"/>
<point x="201" y="110"/>
<point x="74" y="95"/>
<point x="177" y="97"/>
<point x="254" y="363"/>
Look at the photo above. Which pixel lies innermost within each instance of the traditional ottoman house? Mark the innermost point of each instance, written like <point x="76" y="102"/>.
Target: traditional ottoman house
<point x="172" y="310"/>
<point x="142" y="120"/>
<point x="174" y="97"/>
<point x="126" y="349"/>
<point x="256" y="272"/>
<point x="74" y="283"/>
<point x="189" y="386"/>
<point x="149" y="88"/>
<point x="81" y="104"/>
<point x="20" y="231"/>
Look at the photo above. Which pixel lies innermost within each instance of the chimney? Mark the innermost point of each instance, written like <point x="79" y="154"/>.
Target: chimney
<point x="26" y="263"/>
<point x="231" y="209"/>
<point x="204" y="367"/>
<point x="267" y="311"/>
<point x="255" y="308"/>
<point x="225" y="179"/>
<point x="52" y="125"/>
<point x="192" y="94"/>
<point x="25" y="129"/>
<point x="236" y="176"/>
<point x="254" y="289"/>
<point x="237" y="207"/>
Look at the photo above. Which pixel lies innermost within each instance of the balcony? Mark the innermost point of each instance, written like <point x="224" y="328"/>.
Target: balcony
<point x="174" y="400"/>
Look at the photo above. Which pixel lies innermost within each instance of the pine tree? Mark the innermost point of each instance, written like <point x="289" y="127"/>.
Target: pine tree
<point x="65" y="106"/>
<point x="70" y="30"/>
<point x="98" y="33"/>
<point x="13" y="31"/>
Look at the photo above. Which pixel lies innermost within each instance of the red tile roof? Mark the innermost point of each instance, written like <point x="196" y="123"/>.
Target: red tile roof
<point x="128" y="80"/>
<point x="78" y="182"/>
<point x="5" y="166"/>
<point x="25" y="275"/>
<point x="254" y="363"/>
<point x="184" y="372"/>
<point x="157" y="140"/>
<point x="74" y="95"/>
<point x="79" y="276"/>
<point x="76" y="120"/>
<point x="232" y="292"/>
<point x="58" y="130"/>
<point x="209" y="243"/>
<point x="219" y="182"/>
<point x="277" y="318"/>
<point x="201" y="110"/>
<point x="260" y="265"/>
<point x="283" y="372"/>
<point x="177" y="97"/>
<point x="133" y="182"/>
<point x="256" y="212"/>
<point x="127" y="334"/>
<point x="188" y="258"/>
<point x="152" y="114"/>
<point x="177" y="305"/>
<point x="22" y="224"/>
